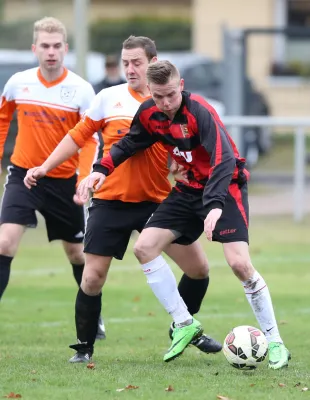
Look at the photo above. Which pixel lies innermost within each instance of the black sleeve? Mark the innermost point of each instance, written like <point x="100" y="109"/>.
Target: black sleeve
<point x="138" y="138"/>
<point x="214" y="138"/>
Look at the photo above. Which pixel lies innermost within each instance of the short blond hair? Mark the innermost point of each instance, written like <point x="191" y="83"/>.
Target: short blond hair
<point x="161" y="72"/>
<point x="50" y="25"/>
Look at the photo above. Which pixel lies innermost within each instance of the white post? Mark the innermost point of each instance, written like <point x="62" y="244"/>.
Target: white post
<point x="299" y="174"/>
<point x="81" y="35"/>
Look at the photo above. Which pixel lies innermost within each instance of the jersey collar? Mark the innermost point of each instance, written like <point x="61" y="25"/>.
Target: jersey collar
<point x="53" y="83"/>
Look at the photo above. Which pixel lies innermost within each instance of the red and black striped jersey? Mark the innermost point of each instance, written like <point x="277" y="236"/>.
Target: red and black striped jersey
<point x="196" y="138"/>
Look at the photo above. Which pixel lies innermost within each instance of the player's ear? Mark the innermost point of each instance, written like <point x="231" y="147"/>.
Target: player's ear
<point x="33" y="48"/>
<point x="181" y="84"/>
<point x="154" y="59"/>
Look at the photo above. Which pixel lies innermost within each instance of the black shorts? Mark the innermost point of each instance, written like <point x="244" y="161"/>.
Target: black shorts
<point x="110" y="224"/>
<point x="52" y="197"/>
<point x="183" y="212"/>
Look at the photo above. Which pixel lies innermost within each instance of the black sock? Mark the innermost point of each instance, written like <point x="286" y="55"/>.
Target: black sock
<point x="78" y="272"/>
<point x="5" y="269"/>
<point x="87" y="312"/>
<point x="192" y="292"/>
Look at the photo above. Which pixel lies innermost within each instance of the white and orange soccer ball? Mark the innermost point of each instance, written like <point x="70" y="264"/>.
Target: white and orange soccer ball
<point x="245" y="347"/>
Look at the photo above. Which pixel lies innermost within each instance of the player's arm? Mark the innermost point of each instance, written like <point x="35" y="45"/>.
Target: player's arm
<point x="222" y="159"/>
<point x="89" y="151"/>
<point x="76" y="139"/>
<point x="7" y="108"/>
<point x="88" y="154"/>
<point x="138" y="138"/>
<point x="70" y="144"/>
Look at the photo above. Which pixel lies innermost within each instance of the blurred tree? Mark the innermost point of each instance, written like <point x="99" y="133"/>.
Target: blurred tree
<point x="106" y="36"/>
<point x="1" y="10"/>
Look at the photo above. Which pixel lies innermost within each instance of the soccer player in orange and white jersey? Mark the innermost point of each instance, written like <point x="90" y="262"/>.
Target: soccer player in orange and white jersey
<point x="49" y="101"/>
<point x="125" y="202"/>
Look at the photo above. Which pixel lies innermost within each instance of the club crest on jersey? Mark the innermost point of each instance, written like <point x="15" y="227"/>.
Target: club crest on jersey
<point x="184" y="129"/>
<point x="67" y="94"/>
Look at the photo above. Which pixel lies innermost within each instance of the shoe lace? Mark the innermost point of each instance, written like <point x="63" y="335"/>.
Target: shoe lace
<point x="275" y="349"/>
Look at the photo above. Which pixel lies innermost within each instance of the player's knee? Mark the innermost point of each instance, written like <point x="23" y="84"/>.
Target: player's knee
<point x="8" y="245"/>
<point x="144" y="251"/>
<point x="202" y="270"/>
<point x="92" y="281"/>
<point x="241" y="267"/>
<point x="74" y="252"/>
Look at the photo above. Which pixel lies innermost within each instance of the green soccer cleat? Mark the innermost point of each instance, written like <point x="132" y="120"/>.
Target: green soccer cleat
<point x="279" y="356"/>
<point x="182" y="337"/>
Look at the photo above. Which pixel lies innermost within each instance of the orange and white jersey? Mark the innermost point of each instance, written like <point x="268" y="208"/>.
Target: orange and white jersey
<point x="143" y="177"/>
<point x="46" y="111"/>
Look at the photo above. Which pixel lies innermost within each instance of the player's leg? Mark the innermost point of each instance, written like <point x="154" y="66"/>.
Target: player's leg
<point x="106" y="237"/>
<point x="232" y="231"/>
<point x="65" y="221"/>
<point x="169" y="222"/>
<point x="10" y="237"/>
<point x="17" y="212"/>
<point x="75" y="255"/>
<point x="193" y="285"/>
<point x="88" y="305"/>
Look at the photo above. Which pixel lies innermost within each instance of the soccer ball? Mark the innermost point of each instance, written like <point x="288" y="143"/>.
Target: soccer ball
<point x="245" y="347"/>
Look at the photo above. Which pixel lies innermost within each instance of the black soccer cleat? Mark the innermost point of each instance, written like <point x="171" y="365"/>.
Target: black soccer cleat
<point x="83" y="353"/>
<point x="204" y="343"/>
<point x="80" y="358"/>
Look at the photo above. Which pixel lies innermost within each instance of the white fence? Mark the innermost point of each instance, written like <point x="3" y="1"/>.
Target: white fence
<point x="299" y="125"/>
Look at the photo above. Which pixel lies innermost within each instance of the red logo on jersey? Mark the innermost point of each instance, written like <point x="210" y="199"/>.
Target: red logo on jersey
<point x="184" y="129"/>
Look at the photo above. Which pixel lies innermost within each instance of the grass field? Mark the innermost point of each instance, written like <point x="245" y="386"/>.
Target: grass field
<point x="37" y="325"/>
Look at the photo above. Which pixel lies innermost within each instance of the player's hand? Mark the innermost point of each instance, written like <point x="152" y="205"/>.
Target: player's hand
<point x="33" y="175"/>
<point x="89" y="185"/>
<point x="210" y="222"/>
<point x="178" y="171"/>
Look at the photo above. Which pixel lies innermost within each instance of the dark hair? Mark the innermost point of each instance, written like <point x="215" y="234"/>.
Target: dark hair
<point x="161" y="72"/>
<point x="111" y="61"/>
<point x="145" y="43"/>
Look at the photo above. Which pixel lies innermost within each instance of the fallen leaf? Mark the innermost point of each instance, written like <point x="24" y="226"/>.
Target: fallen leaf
<point x="283" y="322"/>
<point x="91" y="365"/>
<point x="136" y="299"/>
<point x="151" y="314"/>
<point x="304" y="389"/>
<point x="33" y="380"/>
<point x="169" y="389"/>
<point x="13" y="395"/>
<point x="222" y="397"/>
<point x="33" y="371"/>
<point x="252" y="384"/>
<point x="281" y="384"/>
<point x="297" y="384"/>
<point x="129" y="387"/>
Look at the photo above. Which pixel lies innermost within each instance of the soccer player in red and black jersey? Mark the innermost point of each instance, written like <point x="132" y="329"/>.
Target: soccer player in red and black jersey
<point x="212" y="198"/>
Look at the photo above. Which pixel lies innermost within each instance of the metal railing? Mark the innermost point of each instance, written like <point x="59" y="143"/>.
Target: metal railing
<point x="299" y="124"/>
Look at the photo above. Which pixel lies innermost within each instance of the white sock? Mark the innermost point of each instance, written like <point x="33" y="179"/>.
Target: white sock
<point x="258" y="296"/>
<point x="164" y="285"/>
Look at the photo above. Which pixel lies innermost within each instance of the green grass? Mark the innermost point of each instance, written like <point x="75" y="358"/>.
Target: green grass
<point x="37" y="325"/>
